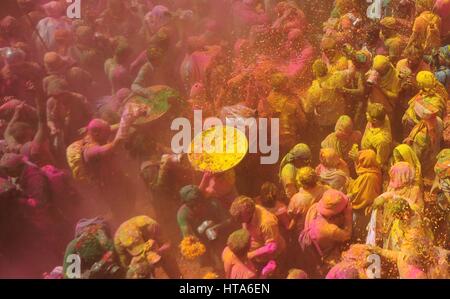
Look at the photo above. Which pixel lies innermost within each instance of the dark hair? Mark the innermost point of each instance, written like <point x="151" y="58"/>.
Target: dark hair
<point x="19" y="131"/>
<point x="241" y="205"/>
<point x="239" y="242"/>
<point x="268" y="194"/>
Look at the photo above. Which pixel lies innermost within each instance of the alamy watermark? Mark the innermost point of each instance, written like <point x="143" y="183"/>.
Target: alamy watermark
<point x="73" y="9"/>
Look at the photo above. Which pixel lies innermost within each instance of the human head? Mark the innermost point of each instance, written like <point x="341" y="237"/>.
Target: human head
<point x="269" y="194"/>
<point x="53" y="63"/>
<point x="332" y="203"/>
<point x="400" y="152"/>
<point x="122" y="50"/>
<point x="414" y="55"/>
<point x="8" y="26"/>
<point x="388" y="26"/>
<point x="424" y="5"/>
<point x="21" y="132"/>
<point x="154" y="55"/>
<point x="426" y="80"/>
<point x="12" y="164"/>
<point x="299" y="155"/>
<point x="239" y="242"/>
<point x="367" y="159"/>
<point x="329" y="157"/>
<point x="54" y="9"/>
<point x="376" y="114"/>
<point x="279" y="81"/>
<point x="320" y="68"/>
<point x="307" y="177"/>
<point x="328" y="46"/>
<point x="344" y="127"/>
<point x="99" y="130"/>
<point x="242" y="209"/>
<point x="116" y="6"/>
<point x="191" y="196"/>
<point x="381" y="64"/>
<point x="26" y="5"/>
<point x="58" y="88"/>
<point x="80" y="80"/>
<point x="401" y="175"/>
<point x="84" y="35"/>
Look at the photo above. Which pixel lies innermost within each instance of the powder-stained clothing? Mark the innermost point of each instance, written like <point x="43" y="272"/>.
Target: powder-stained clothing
<point x="91" y="245"/>
<point x="342" y="147"/>
<point x="302" y="201"/>
<point x="143" y="80"/>
<point x="367" y="185"/>
<point x="264" y="229"/>
<point x="432" y="97"/>
<point x="327" y="100"/>
<point x="379" y="140"/>
<point x="328" y="234"/>
<point x="235" y="268"/>
<point x="189" y="220"/>
<point x="134" y="233"/>
<point x="426" y="143"/>
<point x="423" y="28"/>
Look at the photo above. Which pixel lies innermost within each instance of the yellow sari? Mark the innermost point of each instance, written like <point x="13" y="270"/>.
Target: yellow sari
<point x="367" y="186"/>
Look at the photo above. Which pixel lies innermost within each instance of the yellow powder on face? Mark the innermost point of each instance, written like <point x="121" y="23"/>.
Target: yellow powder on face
<point x="191" y="248"/>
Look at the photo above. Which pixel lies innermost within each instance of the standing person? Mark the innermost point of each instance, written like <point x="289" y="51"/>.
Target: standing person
<point x="394" y="42"/>
<point x="205" y="219"/>
<point x="36" y="205"/>
<point x="236" y="263"/>
<point x="363" y="190"/>
<point x="426" y="29"/>
<point x="311" y="191"/>
<point x="343" y="138"/>
<point x="404" y="153"/>
<point x="140" y="248"/>
<point x="299" y="156"/>
<point x="377" y="135"/>
<point x="95" y="161"/>
<point x="425" y="137"/>
<point x="325" y="96"/>
<point x="431" y="92"/>
<point x="401" y="206"/>
<point x="418" y="257"/>
<point x="47" y="27"/>
<point x="402" y="184"/>
<point x="385" y="82"/>
<point x="271" y="199"/>
<point x="285" y="106"/>
<point x="67" y="112"/>
<point x="95" y="248"/>
<point x="328" y="226"/>
<point x="266" y="241"/>
<point x="332" y="170"/>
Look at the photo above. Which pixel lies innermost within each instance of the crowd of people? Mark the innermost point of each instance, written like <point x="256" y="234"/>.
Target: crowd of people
<point x="89" y="191"/>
